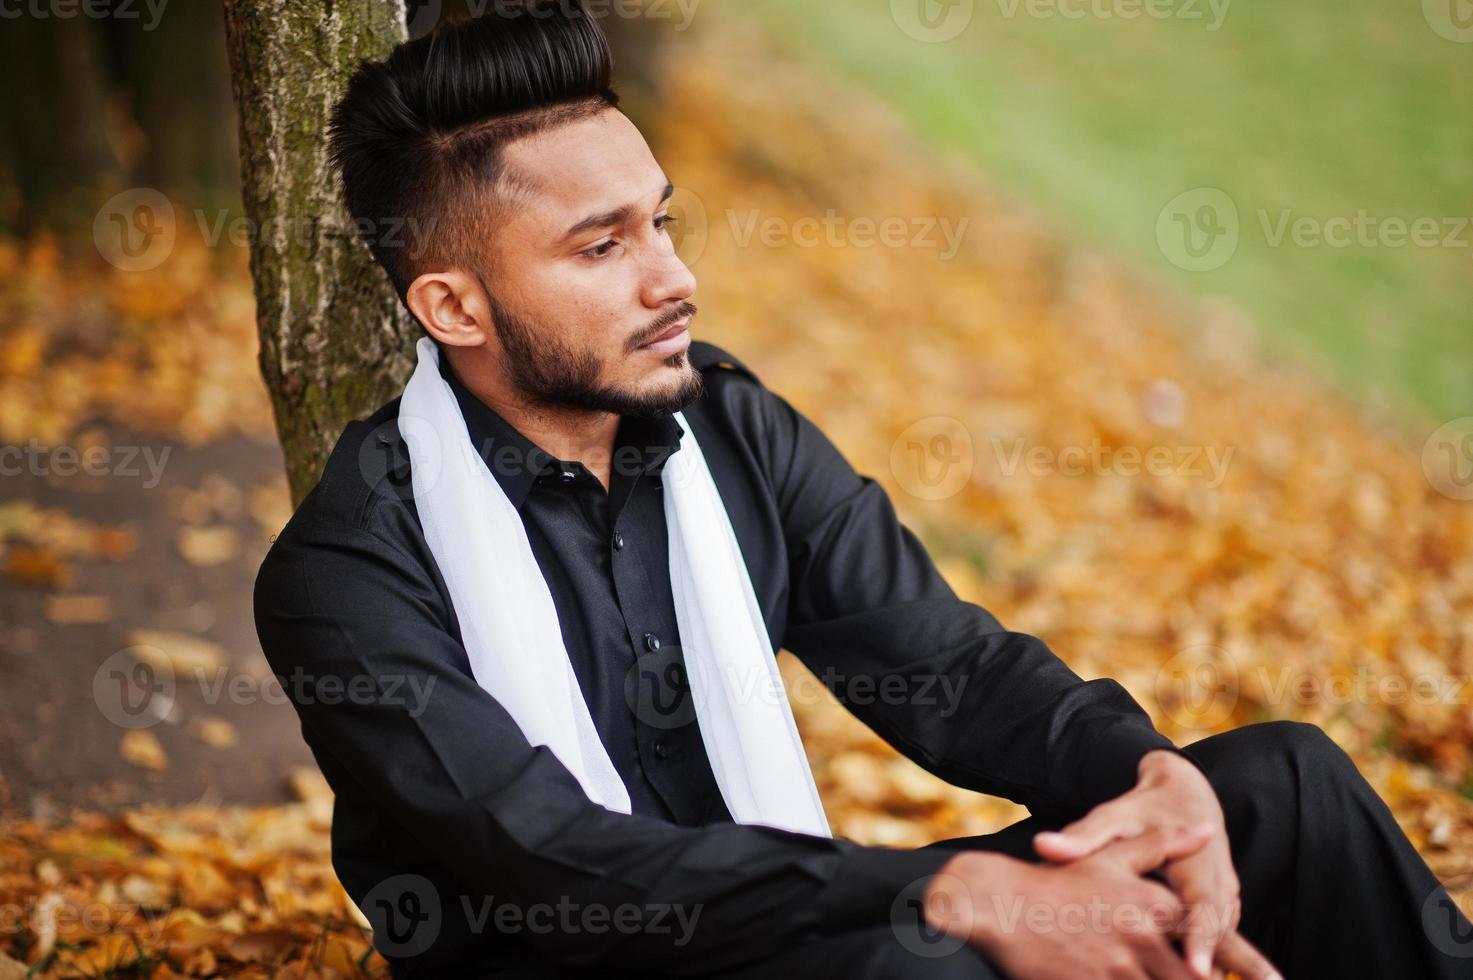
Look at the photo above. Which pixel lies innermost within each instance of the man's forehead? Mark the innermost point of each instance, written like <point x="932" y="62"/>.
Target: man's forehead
<point x="583" y="167"/>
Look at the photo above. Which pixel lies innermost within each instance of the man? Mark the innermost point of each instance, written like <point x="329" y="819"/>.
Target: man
<point x="560" y="318"/>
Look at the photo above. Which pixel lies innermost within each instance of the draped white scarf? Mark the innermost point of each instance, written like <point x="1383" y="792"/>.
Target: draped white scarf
<point x="510" y="629"/>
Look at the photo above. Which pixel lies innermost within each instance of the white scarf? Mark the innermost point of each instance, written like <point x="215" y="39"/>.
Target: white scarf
<point x="510" y="630"/>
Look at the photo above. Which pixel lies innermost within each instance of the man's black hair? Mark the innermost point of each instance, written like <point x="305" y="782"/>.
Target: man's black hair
<point x="418" y="137"/>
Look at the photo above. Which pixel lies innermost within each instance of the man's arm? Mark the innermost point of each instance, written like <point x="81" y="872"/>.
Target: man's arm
<point x="995" y="711"/>
<point x="444" y="759"/>
<point x="980" y="706"/>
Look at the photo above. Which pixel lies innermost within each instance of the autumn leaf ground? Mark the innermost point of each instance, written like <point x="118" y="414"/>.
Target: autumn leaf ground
<point x="1306" y="575"/>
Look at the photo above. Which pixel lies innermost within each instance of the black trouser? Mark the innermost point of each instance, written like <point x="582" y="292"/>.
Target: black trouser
<point x="1331" y="887"/>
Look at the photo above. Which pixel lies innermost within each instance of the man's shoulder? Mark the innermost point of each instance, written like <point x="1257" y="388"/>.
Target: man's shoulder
<point x="708" y="358"/>
<point x="366" y="470"/>
<point x="736" y="398"/>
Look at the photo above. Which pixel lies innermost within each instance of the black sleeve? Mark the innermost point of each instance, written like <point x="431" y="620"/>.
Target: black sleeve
<point x="345" y="606"/>
<point x="937" y="677"/>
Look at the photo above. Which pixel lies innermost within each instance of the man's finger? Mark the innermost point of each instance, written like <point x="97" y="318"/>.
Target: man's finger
<point x="1083" y="837"/>
<point x="1163" y="963"/>
<point x="1238" y="955"/>
<point x="1154" y="848"/>
<point x="1206" y="920"/>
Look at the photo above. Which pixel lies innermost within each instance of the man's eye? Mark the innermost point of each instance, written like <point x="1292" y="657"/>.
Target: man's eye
<point x="600" y="250"/>
<point x="603" y="248"/>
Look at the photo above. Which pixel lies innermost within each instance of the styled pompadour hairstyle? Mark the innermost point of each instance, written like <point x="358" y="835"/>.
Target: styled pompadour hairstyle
<point x="418" y="137"/>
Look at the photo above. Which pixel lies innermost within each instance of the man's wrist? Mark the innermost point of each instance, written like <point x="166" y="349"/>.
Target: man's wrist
<point x="950" y="901"/>
<point x="1158" y="764"/>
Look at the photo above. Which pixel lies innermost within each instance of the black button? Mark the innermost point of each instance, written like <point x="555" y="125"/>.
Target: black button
<point x="618" y="540"/>
<point x="651" y="642"/>
<point x="568" y="476"/>
<point x="662" y="749"/>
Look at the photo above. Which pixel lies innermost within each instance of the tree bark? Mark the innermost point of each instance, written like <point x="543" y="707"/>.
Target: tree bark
<point x="335" y="341"/>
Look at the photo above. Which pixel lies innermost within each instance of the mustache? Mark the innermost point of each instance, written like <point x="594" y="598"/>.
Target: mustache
<point x="665" y="322"/>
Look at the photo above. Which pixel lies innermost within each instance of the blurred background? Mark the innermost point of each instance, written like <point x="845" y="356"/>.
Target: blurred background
<point x="1154" y="317"/>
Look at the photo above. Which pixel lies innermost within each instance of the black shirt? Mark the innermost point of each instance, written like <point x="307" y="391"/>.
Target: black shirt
<point x="468" y="848"/>
<point x="605" y="557"/>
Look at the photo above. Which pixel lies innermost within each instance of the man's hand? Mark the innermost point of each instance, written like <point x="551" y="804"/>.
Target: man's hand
<point x="1096" y="917"/>
<point x="1172" y="795"/>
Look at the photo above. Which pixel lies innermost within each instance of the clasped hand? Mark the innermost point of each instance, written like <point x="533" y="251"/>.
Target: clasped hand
<point x="1094" y="906"/>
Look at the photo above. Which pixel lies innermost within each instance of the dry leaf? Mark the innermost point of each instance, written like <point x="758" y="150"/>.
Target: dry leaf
<point x="37" y="566"/>
<point x="206" y="546"/>
<point x="142" y="748"/>
<point x="178" y="652"/>
<point x="217" y="733"/>
<point x="67" y="610"/>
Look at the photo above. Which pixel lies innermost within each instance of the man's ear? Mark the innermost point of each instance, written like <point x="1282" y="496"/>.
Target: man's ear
<point x="450" y="306"/>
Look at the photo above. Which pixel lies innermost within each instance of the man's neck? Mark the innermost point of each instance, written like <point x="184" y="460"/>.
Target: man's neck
<point x="568" y="434"/>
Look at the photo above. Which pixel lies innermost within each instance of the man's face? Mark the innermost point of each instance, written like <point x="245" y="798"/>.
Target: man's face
<point x="586" y="275"/>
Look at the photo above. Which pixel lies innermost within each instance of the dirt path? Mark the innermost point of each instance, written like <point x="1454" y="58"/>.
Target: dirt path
<point x="60" y="740"/>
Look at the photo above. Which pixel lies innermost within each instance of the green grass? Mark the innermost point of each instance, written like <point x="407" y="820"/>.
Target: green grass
<point x="1322" y="108"/>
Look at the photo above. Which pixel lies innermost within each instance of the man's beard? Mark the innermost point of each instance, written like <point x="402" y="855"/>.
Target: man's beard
<point x="553" y="375"/>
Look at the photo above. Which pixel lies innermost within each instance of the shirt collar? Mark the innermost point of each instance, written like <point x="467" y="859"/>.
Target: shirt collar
<point x="519" y="464"/>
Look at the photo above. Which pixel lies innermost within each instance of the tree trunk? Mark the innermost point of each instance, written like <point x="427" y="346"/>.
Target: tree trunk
<point x="335" y="341"/>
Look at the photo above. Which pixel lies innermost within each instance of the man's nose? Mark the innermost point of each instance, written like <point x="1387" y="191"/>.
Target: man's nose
<point x="667" y="277"/>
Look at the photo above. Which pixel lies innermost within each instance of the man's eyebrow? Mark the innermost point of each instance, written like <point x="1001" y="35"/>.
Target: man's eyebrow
<point x="615" y="217"/>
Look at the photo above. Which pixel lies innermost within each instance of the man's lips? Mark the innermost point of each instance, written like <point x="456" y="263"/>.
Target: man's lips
<point x="674" y="331"/>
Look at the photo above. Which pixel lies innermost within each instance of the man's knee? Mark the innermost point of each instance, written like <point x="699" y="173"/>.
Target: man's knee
<point x="1261" y="770"/>
<point x="1268" y="752"/>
